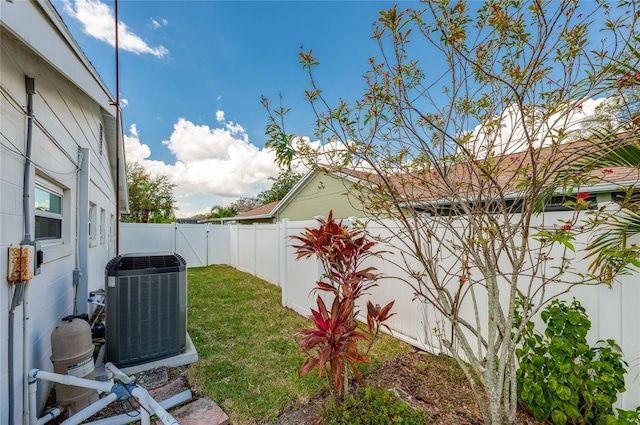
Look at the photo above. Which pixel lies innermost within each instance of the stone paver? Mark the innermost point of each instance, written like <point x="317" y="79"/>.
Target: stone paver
<point x="169" y="390"/>
<point x="202" y="411"/>
<point x="153" y="378"/>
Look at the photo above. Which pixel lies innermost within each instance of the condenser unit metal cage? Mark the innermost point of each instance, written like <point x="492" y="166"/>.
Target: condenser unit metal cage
<point x="146" y="307"/>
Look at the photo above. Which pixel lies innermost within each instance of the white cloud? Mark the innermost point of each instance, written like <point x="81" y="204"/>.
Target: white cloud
<point x="220" y="116"/>
<point x="506" y="133"/>
<point x="98" y="19"/>
<point x="213" y="164"/>
<point x="124" y="103"/>
<point x="159" y="24"/>
<point x="134" y="150"/>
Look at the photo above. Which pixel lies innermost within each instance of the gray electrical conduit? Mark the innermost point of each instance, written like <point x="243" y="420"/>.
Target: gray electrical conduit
<point x="18" y="293"/>
<point x="20" y="287"/>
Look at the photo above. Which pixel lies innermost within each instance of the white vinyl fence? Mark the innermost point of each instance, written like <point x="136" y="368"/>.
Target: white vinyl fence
<point x="264" y="250"/>
<point x="199" y="244"/>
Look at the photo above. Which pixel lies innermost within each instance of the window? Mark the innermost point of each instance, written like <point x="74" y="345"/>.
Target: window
<point x="103" y="225"/>
<point x="48" y="213"/>
<point x="93" y="224"/>
<point x="628" y="199"/>
<point x="513" y="206"/>
<point x="557" y="203"/>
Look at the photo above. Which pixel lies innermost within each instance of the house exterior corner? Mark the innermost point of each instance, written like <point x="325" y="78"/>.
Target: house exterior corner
<point x="64" y="151"/>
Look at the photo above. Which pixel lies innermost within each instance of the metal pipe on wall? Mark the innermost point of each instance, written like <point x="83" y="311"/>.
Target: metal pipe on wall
<point x="20" y="287"/>
<point x="82" y="280"/>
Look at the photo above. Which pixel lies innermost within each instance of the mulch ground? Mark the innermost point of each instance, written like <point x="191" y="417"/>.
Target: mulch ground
<point x="425" y="381"/>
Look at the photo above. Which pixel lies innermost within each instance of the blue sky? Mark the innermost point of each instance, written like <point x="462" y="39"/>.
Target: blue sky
<point x="192" y="73"/>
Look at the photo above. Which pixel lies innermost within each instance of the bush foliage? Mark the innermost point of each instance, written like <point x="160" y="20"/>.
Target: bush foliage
<point x="373" y="406"/>
<point x="561" y="378"/>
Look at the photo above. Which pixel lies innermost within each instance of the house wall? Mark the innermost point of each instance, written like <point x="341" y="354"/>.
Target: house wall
<point x="321" y="194"/>
<point x="66" y="119"/>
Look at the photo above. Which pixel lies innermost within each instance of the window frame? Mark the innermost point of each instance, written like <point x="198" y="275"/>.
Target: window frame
<point x="103" y="226"/>
<point x="54" y="190"/>
<point x="94" y="225"/>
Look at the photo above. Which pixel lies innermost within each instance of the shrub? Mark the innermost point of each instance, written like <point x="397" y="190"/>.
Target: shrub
<point x="373" y="406"/>
<point x="560" y="377"/>
<point x="331" y="346"/>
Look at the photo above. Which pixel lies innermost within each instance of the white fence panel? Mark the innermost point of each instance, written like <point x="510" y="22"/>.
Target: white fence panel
<point x="234" y="246"/>
<point x="265" y="251"/>
<point x="140" y="237"/>
<point x="199" y="244"/>
<point x="615" y="314"/>
<point x="192" y="244"/>
<point x="267" y="248"/>
<point x="300" y="275"/>
<point x="219" y="244"/>
<point x="629" y="327"/>
<point x="246" y="249"/>
<point x="408" y="311"/>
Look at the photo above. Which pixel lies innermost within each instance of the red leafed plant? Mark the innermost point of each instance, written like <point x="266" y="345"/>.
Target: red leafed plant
<point x="331" y="347"/>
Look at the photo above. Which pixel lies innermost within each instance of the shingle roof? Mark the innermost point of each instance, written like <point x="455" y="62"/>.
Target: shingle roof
<point x="263" y="210"/>
<point x="502" y="173"/>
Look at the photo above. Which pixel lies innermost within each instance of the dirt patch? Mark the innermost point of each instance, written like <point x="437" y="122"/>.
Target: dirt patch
<point x="424" y="381"/>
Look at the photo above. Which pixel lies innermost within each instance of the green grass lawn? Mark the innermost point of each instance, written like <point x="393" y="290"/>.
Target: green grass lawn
<point x="248" y="357"/>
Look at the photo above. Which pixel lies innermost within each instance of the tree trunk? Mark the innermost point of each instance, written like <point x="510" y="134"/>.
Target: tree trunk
<point x="144" y="215"/>
<point x="496" y="411"/>
<point x="500" y="406"/>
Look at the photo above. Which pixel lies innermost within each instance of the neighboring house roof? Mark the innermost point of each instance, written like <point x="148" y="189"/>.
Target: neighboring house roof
<point x="421" y="186"/>
<point x="425" y="184"/>
<point x="73" y="64"/>
<point x="263" y="211"/>
<point x="187" y="220"/>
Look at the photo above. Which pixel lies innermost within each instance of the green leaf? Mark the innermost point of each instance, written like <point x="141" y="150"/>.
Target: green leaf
<point x="558" y="417"/>
<point x="565" y="367"/>
<point x="574" y="317"/>
<point x="572" y="412"/>
<point x="563" y="392"/>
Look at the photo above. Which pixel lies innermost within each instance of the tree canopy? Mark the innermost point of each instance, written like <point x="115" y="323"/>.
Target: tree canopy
<point x="459" y="151"/>
<point x="282" y="184"/>
<point x="219" y="211"/>
<point x="245" y="204"/>
<point x="151" y="199"/>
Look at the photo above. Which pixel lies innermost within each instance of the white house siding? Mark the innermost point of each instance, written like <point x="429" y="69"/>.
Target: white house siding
<point x="71" y="105"/>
